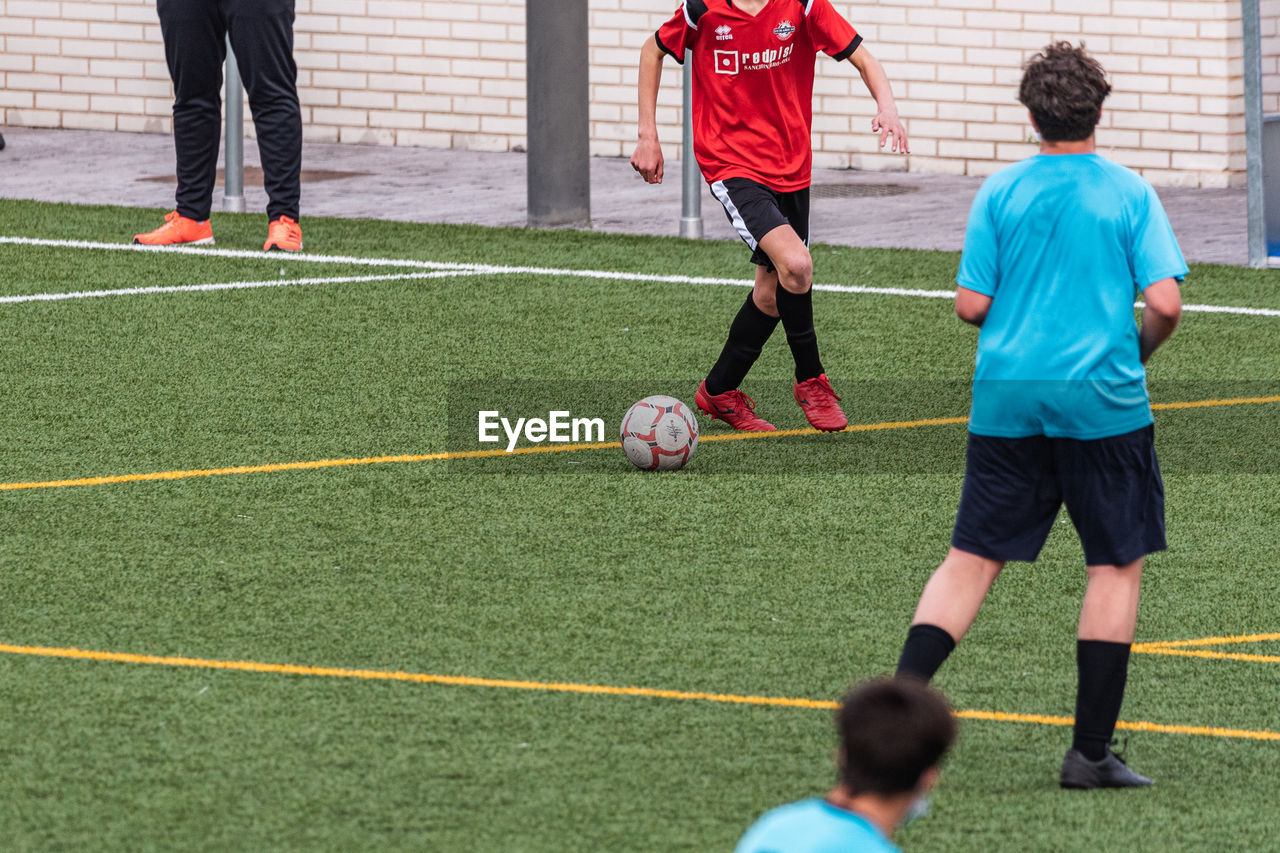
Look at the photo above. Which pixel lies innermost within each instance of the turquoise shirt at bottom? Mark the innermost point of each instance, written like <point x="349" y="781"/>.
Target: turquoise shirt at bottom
<point x="813" y="826"/>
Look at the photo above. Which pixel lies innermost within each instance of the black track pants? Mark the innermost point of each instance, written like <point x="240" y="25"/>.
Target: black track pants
<point x="261" y="33"/>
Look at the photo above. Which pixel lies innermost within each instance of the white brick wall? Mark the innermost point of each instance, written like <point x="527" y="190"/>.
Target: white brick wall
<point x="447" y="74"/>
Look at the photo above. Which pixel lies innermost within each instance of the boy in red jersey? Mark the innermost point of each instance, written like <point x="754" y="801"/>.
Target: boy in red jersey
<point x="752" y="112"/>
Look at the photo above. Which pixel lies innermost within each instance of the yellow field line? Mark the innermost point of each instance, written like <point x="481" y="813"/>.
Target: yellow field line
<point x="1203" y="404"/>
<point x="1206" y="641"/>
<point x="1205" y="731"/>
<point x="593" y="689"/>
<point x="414" y="677"/>
<point x="785" y="433"/>
<point x="436" y="457"/>
<point x="1208" y="655"/>
<point x="1134" y="726"/>
<point x="311" y="465"/>
<point x="1179" y="648"/>
<point x="297" y="466"/>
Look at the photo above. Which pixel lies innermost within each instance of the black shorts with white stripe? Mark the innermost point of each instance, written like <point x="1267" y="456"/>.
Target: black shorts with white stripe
<point x="755" y="210"/>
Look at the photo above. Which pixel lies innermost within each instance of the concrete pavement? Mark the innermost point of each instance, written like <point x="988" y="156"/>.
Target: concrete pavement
<point x="903" y="210"/>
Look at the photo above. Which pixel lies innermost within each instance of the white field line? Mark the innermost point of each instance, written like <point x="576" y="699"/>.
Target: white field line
<point x="232" y="253"/>
<point x="224" y="285"/>
<point x="606" y="275"/>
<point x="483" y="269"/>
<point x="1226" y="309"/>
<point x="494" y="269"/>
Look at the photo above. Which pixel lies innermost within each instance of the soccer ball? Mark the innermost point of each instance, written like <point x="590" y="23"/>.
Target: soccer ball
<point x="659" y="433"/>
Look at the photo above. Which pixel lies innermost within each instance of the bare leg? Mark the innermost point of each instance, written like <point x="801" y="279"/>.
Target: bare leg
<point x="1110" y="609"/>
<point x="765" y="291"/>
<point x="955" y="592"/>
<point x="947" y="608"/>
<point x="791" y="256"/>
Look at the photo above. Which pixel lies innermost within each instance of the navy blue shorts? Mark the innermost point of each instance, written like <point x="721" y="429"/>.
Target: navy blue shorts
<point x="1014" y="487"/>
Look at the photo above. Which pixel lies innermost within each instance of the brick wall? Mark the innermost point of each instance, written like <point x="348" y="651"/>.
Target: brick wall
<point x="1270" y="14"/>
<point x="97" y="65"/>
<point x="447" y="74"/>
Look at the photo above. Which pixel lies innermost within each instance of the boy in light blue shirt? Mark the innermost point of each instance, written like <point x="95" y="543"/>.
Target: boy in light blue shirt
<point x="893" y="736"/>
<point x="1056" y="249"/>
<point x="1065" y="240"/>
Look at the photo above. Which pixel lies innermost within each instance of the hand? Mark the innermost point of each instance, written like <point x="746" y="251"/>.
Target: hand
<point x="887" y="124"/>
<point x="648" y="160"/>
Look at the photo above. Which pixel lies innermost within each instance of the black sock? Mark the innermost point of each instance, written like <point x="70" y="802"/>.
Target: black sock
<point x="747" y="336"/>
<point x="927" y="646"/>
<point x="1103" y="669"/>
<point x="796" y="311"/>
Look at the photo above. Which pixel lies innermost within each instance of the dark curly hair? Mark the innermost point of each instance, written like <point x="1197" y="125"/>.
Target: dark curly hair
<point x="1064" y="88"/>
<point x="891" y="732"/>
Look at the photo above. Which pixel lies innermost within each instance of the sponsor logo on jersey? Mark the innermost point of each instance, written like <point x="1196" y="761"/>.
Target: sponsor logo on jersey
<point x="784" y="30"/>
<point x="726" y="62"/>
<point x="724" y="32"/>
<point x="762" y="60"/>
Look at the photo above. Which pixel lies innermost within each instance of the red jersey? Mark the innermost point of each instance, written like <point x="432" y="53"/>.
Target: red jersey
<point x="753" y="84"/>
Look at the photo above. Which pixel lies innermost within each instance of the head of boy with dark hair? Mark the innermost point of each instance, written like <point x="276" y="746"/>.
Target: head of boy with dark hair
<point x="891" y="734"/>
<point x="1064" y="88"/>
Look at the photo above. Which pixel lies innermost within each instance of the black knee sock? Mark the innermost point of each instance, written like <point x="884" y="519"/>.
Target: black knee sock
<point x="1103" y="669"/>
<point x="927" y="646"/>
<point x="747" y="336"/>
<point x="796" y="311"/>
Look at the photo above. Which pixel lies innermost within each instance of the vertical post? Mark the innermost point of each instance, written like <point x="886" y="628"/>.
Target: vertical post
<point x="691" y="203"/>
<point x="1252" y="27"/>
<point x="559" y="151"/>
<point x="233" y="150"/>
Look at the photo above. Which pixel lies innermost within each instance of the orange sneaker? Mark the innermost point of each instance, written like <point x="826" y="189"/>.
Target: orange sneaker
<point x="177" y="229"/>
<point x="283" y="235"/>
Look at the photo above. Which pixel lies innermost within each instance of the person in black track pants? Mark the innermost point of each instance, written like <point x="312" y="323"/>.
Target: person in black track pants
<point x="261" y="33"/>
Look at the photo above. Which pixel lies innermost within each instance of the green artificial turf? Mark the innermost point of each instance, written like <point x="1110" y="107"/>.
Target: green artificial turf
<point x="784" y="566"/>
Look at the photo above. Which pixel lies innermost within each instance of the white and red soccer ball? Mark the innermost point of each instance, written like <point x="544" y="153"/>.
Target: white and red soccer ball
<point x="659" y="433"/>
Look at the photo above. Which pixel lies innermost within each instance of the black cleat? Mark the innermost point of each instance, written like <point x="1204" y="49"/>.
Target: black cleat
<point x="1111" y="772"/>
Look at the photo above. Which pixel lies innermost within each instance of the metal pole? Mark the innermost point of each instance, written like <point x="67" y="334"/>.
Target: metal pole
<point x="691" y="205"/>
<point x="233" y="169"/>
<point x="559" y="158"/>
<point x="1252" y="27"/>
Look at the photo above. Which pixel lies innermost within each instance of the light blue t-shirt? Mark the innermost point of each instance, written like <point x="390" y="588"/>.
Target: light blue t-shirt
<point x="813" y="826"/>
<point x="1062" y="243"/>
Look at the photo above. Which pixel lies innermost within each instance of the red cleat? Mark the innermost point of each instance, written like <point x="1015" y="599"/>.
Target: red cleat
<point x="734" y="408"/>
<point x="818" y="401"/>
